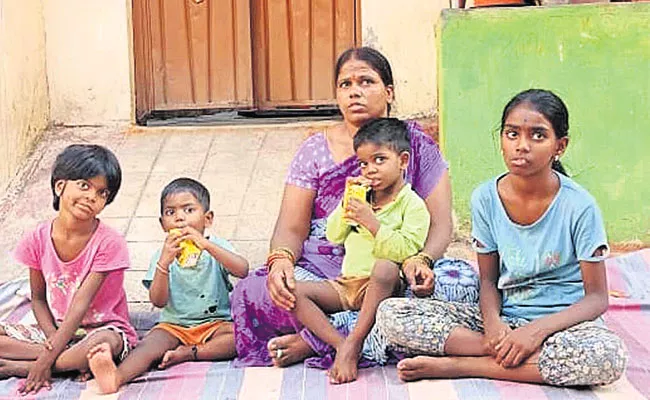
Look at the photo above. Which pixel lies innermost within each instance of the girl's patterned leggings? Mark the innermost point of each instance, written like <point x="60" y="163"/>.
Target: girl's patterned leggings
<point x="585" y="354"/>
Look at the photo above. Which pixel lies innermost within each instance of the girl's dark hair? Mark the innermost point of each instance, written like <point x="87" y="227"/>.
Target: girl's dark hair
<point x="186" y="185"/>
<point x="86" y="161"/>
<point x="550" y="106"/>
<point x="389" y="132"/>
<point x="370" y="56"/>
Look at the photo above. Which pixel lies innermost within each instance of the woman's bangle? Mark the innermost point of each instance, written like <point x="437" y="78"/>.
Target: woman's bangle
<point x="280" y="253"/>
<point x="427" y="258"/>
<point x="421" y="257"/>
<point x="161" y="269"/>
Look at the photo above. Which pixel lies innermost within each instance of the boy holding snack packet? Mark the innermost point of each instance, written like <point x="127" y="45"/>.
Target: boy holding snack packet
<point x="188" y="278"/>
<point x="381" y="222"/>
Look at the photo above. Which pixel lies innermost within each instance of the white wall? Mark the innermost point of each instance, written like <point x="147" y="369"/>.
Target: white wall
<point x="24" y="108"/>
<point x="404" y="31"/>
<point x="88" y="65"/>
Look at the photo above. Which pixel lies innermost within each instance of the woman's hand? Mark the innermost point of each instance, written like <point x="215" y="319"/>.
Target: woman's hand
<point x="494" y="334"/>
<point x="281" y="283"/>
<point x="518" y="345"/>
<point x="40" y="375"/>
<point x="419" y="276"/>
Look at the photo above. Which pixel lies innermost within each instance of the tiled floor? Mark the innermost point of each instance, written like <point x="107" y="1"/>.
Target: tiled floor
<point x="243" y="167"/>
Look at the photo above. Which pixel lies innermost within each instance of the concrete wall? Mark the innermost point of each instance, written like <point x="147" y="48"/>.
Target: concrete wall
<point x="88" y="54"/>
<point x="596" y="57"/>
<point x="23" y="85"/>
<point x="404" y="31"/>
<point x="88" y="65"/>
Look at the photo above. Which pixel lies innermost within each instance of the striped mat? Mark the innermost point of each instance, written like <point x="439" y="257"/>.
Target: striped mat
<point x="629" y="316"/>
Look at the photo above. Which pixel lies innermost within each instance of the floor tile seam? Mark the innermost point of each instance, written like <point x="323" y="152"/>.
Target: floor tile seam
<point x="205" y="158"/>
<point x="250" y="177"/>
<point x="144" y="185"/>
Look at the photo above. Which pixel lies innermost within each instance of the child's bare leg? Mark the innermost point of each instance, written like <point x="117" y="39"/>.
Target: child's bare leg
<point x="383" y="281"/>
<point x="465" y="342"/>
<point x="9" y="368"/>
<point x="72" y="359"/>
<point x="422" y="367"/>
<point x="314" y="300"/>
<point x="110" y="377"/>
<point x="220" y="346"/>
<point x="75" y="358"/>
<point x="14" y="349"/>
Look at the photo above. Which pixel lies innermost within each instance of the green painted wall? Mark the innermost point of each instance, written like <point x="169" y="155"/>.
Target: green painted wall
<point x="595" y="57"/>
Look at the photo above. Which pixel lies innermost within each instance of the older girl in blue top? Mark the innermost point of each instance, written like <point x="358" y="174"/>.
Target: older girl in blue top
<point x="541" y="243"/>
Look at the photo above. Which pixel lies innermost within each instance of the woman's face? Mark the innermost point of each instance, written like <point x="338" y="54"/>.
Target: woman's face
<point x="528" y="141"/>
<point x="361" y="94"/>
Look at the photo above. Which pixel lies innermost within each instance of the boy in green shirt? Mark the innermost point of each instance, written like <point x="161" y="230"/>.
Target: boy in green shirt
<point x="389" y="229"/>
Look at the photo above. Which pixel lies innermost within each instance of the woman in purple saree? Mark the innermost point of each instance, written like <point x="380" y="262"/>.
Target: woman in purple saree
<point x="266" y="332"/>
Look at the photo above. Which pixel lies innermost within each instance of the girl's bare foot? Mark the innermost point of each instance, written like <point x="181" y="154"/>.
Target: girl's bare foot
<point x="176" y="356"/>
<point x="100" y="360"/>
<point x="422" y="367"/>
<point x="288" y="349"/>
<point x="344" y="369"/>
<point x="9" y="368"/>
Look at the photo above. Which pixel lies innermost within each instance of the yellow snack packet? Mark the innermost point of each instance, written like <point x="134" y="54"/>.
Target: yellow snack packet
<point x="356" y="191"/>
<point x="190" y="253"/>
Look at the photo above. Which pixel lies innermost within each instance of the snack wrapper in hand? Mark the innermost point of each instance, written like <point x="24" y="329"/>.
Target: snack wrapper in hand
<point x="190" y="253"/>
<point x="356" y="191"/>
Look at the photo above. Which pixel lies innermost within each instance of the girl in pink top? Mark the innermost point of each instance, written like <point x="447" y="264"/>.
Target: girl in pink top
<point x="76" y="271"/>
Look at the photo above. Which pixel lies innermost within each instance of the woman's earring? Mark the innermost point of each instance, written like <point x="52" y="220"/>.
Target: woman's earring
<point x="556" y="158"/>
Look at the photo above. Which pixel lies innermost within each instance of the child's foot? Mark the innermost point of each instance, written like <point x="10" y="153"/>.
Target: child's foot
<point x="100" y="360"/>
<point x="422" y="367"/>
<point x="176" y="356"/>
<point x="345" y="364"/>
<point x="288" y="349"/>
<point x="9" y="368"/>
<point x="84" y="376"/>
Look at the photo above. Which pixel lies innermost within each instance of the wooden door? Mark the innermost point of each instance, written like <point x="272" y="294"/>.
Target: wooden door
<point x="295" y="46"/>
<point x="192" y="54"/>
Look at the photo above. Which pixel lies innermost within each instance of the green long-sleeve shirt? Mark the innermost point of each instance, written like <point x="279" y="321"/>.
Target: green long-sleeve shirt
<point x="403" y="231"/>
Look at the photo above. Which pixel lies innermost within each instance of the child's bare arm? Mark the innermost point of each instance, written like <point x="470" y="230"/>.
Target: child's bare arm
<point x="490" y="300"/>
<point x="73" y="317"/>
<point x="234" y="263"/>
<point x="520" y="343"/>
<point x="489" y="297"/>
<point x="41" y="370"/>
<point x="41" y="309"/>
<point x="159" y="289"/>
